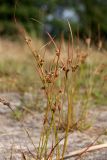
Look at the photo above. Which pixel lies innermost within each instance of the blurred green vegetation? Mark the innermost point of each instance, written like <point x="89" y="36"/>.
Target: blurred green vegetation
<point x="17" y="76"/>
<point x="91" y="17"/>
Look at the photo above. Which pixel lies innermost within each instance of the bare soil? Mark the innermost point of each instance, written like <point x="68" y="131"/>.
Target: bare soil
<point x="14" y="139"/>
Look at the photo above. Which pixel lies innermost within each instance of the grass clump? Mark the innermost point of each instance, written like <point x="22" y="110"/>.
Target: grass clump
<point x="70" y="80"/>
<point x="62" y="91"/>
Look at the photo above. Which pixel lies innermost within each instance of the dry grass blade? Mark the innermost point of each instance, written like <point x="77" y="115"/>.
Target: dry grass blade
<point x="54" y="148"/>
<point x="78" y="152"/>
<point x="87" y="148"/>
<point x="52" y="39"/>
<point x="32" y="155"/>
<point x="30" y="139"/>
<point x="37" y="21"/>
<point x="71" y="36"/>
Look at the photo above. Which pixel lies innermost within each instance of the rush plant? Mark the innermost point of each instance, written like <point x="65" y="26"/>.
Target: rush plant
<point x="59" y="83"/>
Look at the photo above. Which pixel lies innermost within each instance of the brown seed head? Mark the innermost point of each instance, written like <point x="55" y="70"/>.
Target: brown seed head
<point x="48" y="78"/>
<point x="28" y="40"/>
<point x="41" y="62"/>
<point x="56" y="74"/>
<point x="54" y="107"/>
<point x="59" y="107"/>
<point x="58" y="52"/>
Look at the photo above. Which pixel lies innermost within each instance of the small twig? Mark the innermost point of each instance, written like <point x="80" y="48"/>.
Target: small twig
<point x="33" y="156"/>
<point x="90" y="145"/>
<point x="79" y="152"/>
<point x="30" y="139"/>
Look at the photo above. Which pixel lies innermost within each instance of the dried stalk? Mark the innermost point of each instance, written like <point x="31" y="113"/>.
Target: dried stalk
<point x="79" y="152"/>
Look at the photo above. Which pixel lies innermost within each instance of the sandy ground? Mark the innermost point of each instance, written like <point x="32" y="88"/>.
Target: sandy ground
<point x="14" y="139"/>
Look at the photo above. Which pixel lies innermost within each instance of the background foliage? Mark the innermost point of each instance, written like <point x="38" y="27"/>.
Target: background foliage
<point x="92" y="16"/>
